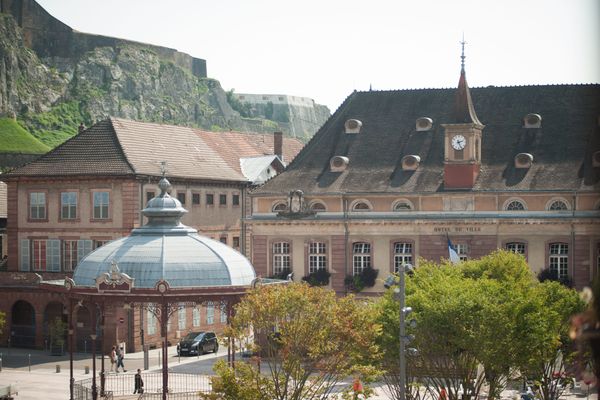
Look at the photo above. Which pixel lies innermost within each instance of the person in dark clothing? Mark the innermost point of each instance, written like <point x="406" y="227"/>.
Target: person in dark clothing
<point x="139" y="383"/>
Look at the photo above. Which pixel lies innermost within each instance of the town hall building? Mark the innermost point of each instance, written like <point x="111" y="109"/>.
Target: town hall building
<point x="393" y="175"/>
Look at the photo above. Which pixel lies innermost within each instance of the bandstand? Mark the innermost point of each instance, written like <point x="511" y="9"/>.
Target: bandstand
<point x="161" y="267"/>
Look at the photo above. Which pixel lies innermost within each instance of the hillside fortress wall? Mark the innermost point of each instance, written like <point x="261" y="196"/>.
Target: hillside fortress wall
<point x="50" y="38"/>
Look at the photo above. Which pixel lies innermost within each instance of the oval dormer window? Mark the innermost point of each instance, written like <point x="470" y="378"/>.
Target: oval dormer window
<point x="523" y="160"/>
<point x="410" y="162"/>
<point x="338" y="163"/>
<point x="424" y="124"/>
<point x="352" y="126"/>
<point x="532" y="121"/>
<point x="280" y="206"/>
<point x="361" y="206"/>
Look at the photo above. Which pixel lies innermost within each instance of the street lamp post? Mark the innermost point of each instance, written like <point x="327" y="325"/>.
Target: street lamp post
<point x="399" y="291"/>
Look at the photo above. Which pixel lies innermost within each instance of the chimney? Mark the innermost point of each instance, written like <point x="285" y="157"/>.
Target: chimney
<point x="278" y="144"/>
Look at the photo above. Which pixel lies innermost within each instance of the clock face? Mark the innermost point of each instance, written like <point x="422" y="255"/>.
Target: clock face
<point x="459" y="142"/>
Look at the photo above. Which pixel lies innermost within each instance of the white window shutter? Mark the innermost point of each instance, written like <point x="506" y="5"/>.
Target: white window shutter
<point x="24" y="253"/>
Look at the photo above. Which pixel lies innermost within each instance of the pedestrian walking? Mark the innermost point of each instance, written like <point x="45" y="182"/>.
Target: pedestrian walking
<point x="120" y="358"/>
<point x="113" y="358"/>
<point x="443" y="394"/>
<point x="138" y="383"/>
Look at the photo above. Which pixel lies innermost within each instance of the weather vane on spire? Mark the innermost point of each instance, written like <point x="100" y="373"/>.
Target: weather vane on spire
<point x="462" y="56"/>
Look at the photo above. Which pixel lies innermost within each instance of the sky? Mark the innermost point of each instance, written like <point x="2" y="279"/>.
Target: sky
<point x="325" y="49"/>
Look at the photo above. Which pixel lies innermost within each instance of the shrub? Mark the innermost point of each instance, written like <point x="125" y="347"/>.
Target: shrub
<point x="318" y="278"/>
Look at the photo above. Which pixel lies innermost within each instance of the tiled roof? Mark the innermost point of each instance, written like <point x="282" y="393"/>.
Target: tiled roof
<point x="123" y="147"/>
<point x="93" y="152"/>
<point x="562" y="148"/>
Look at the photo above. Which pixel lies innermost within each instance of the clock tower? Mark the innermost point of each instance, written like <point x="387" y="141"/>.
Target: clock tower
<point x="462" y="138"/>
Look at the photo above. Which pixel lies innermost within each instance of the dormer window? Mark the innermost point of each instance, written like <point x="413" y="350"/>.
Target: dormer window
<point x="532" y="121"/>
<point x="523" y="160"/>
<point x="318" y="206"/>
<point x="515" y="205"/>
<point x="410" y="162"/>
<point x="424" y="124"/>
<point x="352" y="126"/>
<point x="596" y="159"/>
<point x="338" y="163"/>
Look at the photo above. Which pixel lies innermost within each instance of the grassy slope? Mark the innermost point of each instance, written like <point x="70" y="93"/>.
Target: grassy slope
<point x="15" y="139"/>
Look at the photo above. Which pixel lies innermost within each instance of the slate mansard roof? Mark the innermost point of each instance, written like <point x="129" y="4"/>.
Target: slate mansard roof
<point x="120" y="147"/>
<point x="562" y="148"/>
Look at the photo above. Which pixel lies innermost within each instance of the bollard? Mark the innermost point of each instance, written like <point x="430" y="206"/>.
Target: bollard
<point x="0" y="362"/>
<point x="87" y="369"/>
<point x="29" y="358"/>
<point x="58" y="368"/>
<point x="85" y="346"/>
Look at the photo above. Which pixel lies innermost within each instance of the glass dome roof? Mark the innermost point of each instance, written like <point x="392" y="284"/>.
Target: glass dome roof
<point x="165" y="249"/>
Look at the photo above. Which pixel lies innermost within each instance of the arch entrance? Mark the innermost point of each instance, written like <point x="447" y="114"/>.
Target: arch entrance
<point x="22" y="327"/>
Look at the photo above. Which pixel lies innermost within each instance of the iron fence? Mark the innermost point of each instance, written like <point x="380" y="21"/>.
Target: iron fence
<point x="181" y="386"/>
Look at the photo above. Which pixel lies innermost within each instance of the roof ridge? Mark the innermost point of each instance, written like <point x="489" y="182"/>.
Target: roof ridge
<point x="114" y="130"/>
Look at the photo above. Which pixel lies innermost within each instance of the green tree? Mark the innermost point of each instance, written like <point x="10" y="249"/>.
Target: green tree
<point x="2" y="320"/>
<point x="481" y="313"/>
<point x="309" y="339"/>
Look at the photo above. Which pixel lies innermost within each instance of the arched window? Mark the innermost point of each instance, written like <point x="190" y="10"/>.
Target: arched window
<point x="402" y="205"/>
<point x="515" y="205"/>
<point x="318" y="206"/>
<point x="361" y="257"/>
<point x="361" y="206"/>
<point x="281" y="206"/>
<point x="558" y="205"/>
<point x="403" y="254"/>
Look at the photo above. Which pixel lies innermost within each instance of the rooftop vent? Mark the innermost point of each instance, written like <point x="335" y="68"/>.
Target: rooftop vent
<point x="353" y="126"/>
<point x="596" y="159"/>
<point x="532" y="121"/>
<point x="424" y="124"/>
<point x="410" y="162"/>
<point x="338" y="163"/>
<point x="523" y="160"/>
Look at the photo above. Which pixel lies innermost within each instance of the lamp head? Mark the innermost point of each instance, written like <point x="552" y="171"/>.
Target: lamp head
<point x="389" y="281"/>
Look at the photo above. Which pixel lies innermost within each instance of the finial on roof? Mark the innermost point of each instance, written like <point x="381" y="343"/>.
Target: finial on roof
<point x="462" y="55"/>
<point x="164" y="183"/>
<point x="163" y="168"/>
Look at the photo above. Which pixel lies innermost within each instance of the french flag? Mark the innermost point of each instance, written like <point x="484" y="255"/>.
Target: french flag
<point x="454" y="258"/>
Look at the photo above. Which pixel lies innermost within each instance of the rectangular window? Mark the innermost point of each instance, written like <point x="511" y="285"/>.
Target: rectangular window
<point x="236" y="242"/>
<point x="101" y="200"/>
<point x="69" y="254"/>
<point x="402" y="255"/>
<point x="68" y="205"/>
<point x="37" y="205"/>
<point x="222" y="199"/>
<point x="53" y="255"/>
<point x="281" y="257"/>
<point x="317" y="256"/>
<point x="24" y="264"/>
<point x="223" y="239"/>
<point x="361" y="257"/>
<point x="235" y="200"/>
<point x="38" y="254"/>
<point x="559" y="259"/>
<point x="83" y="248"/>
<point x="181" y="321"/>
<point x="181" y="197"/>
<point x="149" y="196"/>
<point x="151" y="319"/>
<point x="210" y="313"/>
<point x="516" y="247"/>
<point x="99" y="243"/>
<point x="196" y="198"/>
<point x="223" y="311"/>
<point x="463" y="251"/>
<point x="210" y="199"/>
<point x="196" y="317"/>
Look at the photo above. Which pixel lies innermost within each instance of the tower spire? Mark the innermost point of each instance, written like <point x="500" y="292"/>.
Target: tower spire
<point x="462" y="55"/>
